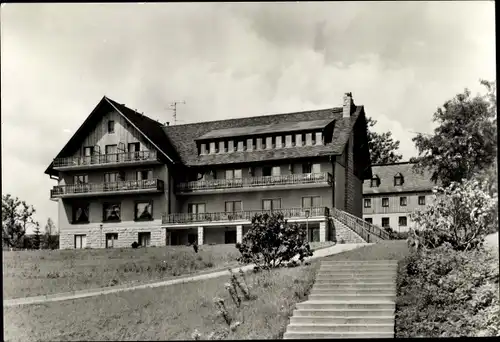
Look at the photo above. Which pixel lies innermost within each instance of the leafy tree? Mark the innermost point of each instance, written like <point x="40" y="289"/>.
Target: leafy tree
<point x="50" y="235"/>
<point x="36" y="238"/>
<point x="272" y="241"/>
<point x="460" y="215"/>
<point x="464" y="141"/>
<point x="383" y="149"/>
<point x="16" y="217"/>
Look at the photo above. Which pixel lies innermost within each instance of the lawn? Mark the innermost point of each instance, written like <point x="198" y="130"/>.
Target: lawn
<point x="383" y="250"/>
<point x="166" y="313"/>
<point x="32" y="273"/>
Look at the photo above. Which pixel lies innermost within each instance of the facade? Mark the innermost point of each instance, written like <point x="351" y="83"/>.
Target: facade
<point x="124" y="177"/>
<point x="393" y="192"/>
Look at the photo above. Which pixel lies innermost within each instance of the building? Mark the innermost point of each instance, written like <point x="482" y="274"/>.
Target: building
<point x="394" y="192"/>
<point x="124" y="177"/>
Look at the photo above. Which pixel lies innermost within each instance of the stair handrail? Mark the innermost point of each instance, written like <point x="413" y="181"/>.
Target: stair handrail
<point x="360" y="226"/>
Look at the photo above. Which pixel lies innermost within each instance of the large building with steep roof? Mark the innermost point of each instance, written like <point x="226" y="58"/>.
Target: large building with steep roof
<point x="124" y="177"/>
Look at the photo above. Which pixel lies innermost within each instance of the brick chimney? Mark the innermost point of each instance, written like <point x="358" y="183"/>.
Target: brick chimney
<point x="348" y="105"/>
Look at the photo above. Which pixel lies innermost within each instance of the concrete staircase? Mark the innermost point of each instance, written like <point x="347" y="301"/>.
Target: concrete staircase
<point x="349" y="299"/>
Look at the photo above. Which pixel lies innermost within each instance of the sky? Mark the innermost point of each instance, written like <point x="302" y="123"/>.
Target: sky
<point x="401" y="60"/>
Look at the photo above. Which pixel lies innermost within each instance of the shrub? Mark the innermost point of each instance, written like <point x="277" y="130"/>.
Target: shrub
<point x="460" y="215"/>
<point x="448" y="293"/>
<point x="135" y="244"/>
<point x="393" y="235"/>
<point x="271" y="241"/>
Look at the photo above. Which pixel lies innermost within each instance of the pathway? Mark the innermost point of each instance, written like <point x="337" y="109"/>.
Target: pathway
<point x="101" y="291"/>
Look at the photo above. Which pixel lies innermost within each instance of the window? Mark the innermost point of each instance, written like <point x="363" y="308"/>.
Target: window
<point x="233" y="206"/>
<point x="143" y="211"/>
<point x="111" y="153"/>
<point x="368" y="203"/>
<point x="230" y="236"/>
<point x="144" y="239"/>
<point x="385" y="202"/>
<point x="398" y="179"/>
<point x="111" y="126"/>
<point x="88" y="151"/>
<point x="402" y="221"/>
<point x="311" y="168"/>
<point x="81" y="179"/>
<point x="385" y="222"/>
<point x="266" y="171"/>
<point x="80" y="241"/>
<point x="311" y="202"/>
<point x="110" y="239"/>
<point x="234" y="174"/>
<point x="271" y="204"/>
<point x="111" y="212"/>
<point x="402" y="201"/>
<point x="144" y="174"/>
<point x="374" y="182"/>
<point x="81" y="213"/>
<point x="113" y="177"/>
<point x="196" y="208"/>
<point x="369" y="220"/>
<point x="421" y="200"/>
<point x="134" y="149"/>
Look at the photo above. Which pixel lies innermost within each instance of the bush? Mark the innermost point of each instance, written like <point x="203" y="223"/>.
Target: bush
<point x="448" y="293"/>
<point x="271" y="242"/>
<point x="135" y="244"/>
<point x="461" y="215"/>
<point x="393" y="235"/>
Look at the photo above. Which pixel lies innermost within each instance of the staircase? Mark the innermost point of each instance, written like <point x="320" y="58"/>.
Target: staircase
<point x="349" y="299"/>
<point x="363" y="230"/>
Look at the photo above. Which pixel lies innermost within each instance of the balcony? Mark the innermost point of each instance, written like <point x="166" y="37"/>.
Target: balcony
<point x="247" y="215"/>
<point x="115" y="188"/>
<point x="105" y="160"/>
<point x="256" y="183"/>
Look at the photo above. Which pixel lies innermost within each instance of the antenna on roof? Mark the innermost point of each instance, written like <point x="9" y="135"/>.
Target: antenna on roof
<point x="173" y="105"/>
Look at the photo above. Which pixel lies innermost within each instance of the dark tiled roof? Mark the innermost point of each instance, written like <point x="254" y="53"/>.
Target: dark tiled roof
<point x="183" y="137"/>
<point x="257" y="130"/>
<point x="412" y="181"/>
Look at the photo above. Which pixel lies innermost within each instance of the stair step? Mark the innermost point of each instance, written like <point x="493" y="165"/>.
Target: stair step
<point x="355" y="286"/>
<point x="349" y="297"/>
<point x="337" y="304"/>
<point x="342" y="320"/>
<point x="343" y="312"/>
<point x="326" y="335"/>
<point x="352" y="291"/>
<point x="304" y="327"/>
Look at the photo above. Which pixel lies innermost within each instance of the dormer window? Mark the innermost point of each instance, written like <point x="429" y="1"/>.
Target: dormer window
<point x="374" y="182"/>
<point x="398" y="179"/>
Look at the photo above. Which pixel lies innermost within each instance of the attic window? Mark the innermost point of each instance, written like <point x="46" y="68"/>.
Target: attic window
<point x="374" y="182"/>
<point x="398" y="179"/>
<point x="111" y="126"/>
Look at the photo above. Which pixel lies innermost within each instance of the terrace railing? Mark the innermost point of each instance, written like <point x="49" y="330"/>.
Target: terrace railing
<point x="367" y="231"/>
<point x="146" y="184"/>
<point x="112" y="158"/>
<point x="303" y="178"/>
<point x="245" y="215"/>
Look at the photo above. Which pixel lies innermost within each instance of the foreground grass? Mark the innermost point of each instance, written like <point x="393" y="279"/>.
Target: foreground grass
<point x="32" y="273"/>
<point x="166" y="313"/>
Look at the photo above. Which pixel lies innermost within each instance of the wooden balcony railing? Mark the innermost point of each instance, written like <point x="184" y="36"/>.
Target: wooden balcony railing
<point x="146" y="184"/>
<point x="303" y="178"/>
<point x="246" y="215"/>
<point x="100" y="159"/>
<point x="367" y="231"/>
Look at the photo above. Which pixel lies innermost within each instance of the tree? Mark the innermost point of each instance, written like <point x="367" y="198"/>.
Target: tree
<point x="383" y="149"/>
<point x="464" y="141"/>
<point x="36" y="239"/>
<point x="50" y="235"/>
<point x="271" y="241"/>
<point x="16" y="217"/>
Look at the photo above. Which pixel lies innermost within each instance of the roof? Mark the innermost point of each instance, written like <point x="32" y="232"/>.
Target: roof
<point x="151" y="130"/>
<point x="266" y="129"/>
<point x="412" y="181"/>
<point x="183" y="137"/>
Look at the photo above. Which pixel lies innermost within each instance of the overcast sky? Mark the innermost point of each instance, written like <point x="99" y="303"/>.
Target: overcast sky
<point x="401" y="60"/>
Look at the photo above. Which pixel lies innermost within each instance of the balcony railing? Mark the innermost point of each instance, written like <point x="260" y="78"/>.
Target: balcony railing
<point x="367" y="231"/>
<point x="146" y="184"/>
<point x="112" y="158"/>
<point x="303" y="178"/>
<point x="246" y="215"/>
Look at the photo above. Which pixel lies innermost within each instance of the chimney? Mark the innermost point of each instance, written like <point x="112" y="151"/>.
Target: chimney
<point x="348" y="105"/>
